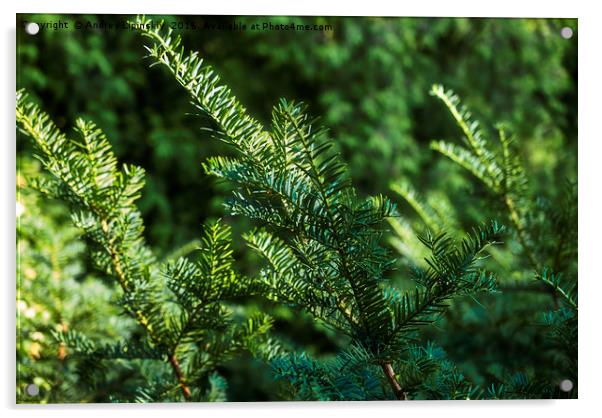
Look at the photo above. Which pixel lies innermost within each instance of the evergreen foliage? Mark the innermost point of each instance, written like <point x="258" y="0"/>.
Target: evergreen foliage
<point x="502" y="172"/>
<point x="368" y="79"/>
<point x="180" y="305"/>
<point x="53" y="292"/>
<point x="539" y="268"/>
<point x="322" y="243"/>
<point x="158" y="323"/>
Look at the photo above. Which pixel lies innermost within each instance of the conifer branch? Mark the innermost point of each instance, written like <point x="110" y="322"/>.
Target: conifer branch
<point x="291" y="180"/>
<point x="554" y="283"/>
<point x="173" y="360"/>
<point x="178" y="303"/>
<point x="513" y="175"/>
<point x="409" y="195"/>
<point x="390" y="374"/>
<point x="503" y="174"/>
<point x="504" y="178"/>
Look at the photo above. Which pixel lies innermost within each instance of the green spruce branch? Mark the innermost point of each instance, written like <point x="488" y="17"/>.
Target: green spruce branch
<point x="178" y="303"/>
<point x="321" y="242"/>
<point x="502" y="173"/>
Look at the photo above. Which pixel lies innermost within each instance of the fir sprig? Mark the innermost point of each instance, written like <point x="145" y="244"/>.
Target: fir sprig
<point x="322" y="243"/>
<point x="179" y="304"/>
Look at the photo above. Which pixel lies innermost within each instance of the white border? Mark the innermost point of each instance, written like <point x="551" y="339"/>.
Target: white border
<point x="468" y="8"/>
<point x="590" y="372"/>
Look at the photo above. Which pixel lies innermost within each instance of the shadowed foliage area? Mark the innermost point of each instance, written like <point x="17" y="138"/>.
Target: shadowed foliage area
<point x="206" y="238"/>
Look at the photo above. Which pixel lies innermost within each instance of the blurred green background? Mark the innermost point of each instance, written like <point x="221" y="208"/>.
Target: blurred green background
<point x="368" y="80"/>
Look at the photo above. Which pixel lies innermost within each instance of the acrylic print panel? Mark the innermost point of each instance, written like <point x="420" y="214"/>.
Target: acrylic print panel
<point x="244" y="208"/>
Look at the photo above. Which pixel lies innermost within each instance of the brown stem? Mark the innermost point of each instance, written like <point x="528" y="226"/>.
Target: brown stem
<point x="178" y="372"/>
<point x="399" y="393"/>
<point x="121" y="277"/>
<point x="142" y="319"/>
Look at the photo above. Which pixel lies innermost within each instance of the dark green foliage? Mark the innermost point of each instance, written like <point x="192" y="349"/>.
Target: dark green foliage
<point x="535" y="221"/>
<point x="351" y="376"/>
<point x="321" y="242"/>
<point x="98" y="75"/>
<point x="428" y="374"/>
<point x="320" y="262"/>
<point x="368" y="78"/>
<point x="179" y="305"/>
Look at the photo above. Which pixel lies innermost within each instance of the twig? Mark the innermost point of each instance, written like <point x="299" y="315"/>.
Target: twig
<point x="399" y="393"/>
<point x="178" y="372"/>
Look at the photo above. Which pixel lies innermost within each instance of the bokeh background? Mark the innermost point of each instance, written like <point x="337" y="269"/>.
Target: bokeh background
<point x="367" y="79"/>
